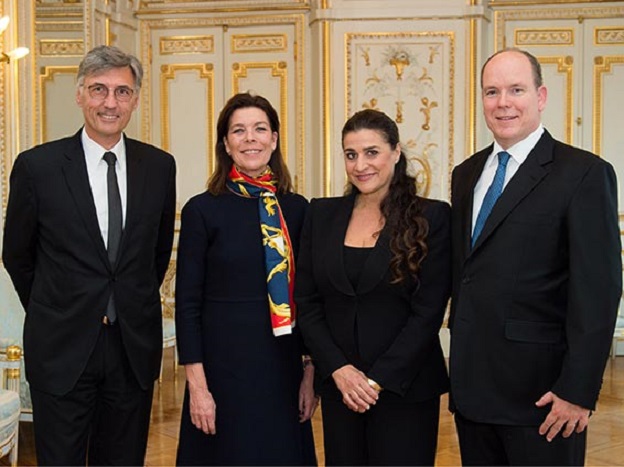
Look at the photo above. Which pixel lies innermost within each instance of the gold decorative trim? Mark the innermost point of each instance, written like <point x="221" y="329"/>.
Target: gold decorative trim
<point x="179" y="45"/>
<point x="327" y="130"/>
<point x="61" y="47"/>
<point x="495" y="3"/>
<point x="5" y="167"/>
<point x="145" y="8"/>
<point x="543" y="37"/>
<point x="608" y="36"/>
<point x="58" y="26"/>
<point x="502" y="16"/>
<point x="47" y="74"/>
<point x="296" y="20"/>
<point x="565" y="66"/>
<point x="278" y="70"/>
<point x="167" y="73"/>
<point x="473" y="86"/>
<point x="602" y="65"/>
<point x="243" y="43"/>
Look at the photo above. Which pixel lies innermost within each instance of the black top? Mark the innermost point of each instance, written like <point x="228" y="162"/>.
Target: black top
<point x="355" y="259"/>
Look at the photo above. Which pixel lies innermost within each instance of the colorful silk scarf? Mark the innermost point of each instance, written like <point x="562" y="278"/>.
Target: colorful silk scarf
<point x="278" y="255"/>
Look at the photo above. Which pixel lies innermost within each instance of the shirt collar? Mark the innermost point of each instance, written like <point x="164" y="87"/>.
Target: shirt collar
<point x="519" y="151"/>
<point x="94" y="152"/>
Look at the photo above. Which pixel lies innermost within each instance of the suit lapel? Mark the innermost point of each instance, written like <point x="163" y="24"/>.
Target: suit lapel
<point x="529" y="175"/>
<point x="135" y="183"/>
<point x="467" y="197"/>
<point x="335" y="261"/>
<point x="77" y="179"/>
<point x="376" y="265"/>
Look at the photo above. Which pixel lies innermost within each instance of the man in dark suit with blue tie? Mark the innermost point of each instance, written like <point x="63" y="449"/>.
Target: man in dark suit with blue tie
<point x="537" y="279"/>
<point x="87" y="242"/>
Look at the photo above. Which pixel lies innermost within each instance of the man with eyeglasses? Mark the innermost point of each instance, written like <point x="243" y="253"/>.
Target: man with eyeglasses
<point x="88" y="237"/>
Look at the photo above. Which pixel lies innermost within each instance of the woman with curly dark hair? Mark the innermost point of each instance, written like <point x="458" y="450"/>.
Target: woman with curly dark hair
<point x="373" y="280"/>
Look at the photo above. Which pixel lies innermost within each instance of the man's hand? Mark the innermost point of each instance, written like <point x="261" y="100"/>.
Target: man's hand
<point x="574" y="417"/>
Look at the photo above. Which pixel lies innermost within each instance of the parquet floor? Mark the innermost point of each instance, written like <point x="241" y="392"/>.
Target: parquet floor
<point x="605" y="438"/>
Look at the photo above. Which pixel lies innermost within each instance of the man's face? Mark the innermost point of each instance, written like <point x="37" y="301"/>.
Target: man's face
<point x="512" y="105"/>
<point x="107" y="101"/>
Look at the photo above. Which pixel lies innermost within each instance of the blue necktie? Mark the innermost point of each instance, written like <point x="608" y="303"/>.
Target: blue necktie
<point x="492" y="194"/>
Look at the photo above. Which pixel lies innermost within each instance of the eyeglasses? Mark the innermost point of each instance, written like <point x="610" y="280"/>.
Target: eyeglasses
<point x="100" y="92"/>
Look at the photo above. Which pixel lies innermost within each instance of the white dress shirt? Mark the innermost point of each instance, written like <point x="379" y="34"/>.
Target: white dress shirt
<point x="97" y="169"/>
<point x="518" y="153"/>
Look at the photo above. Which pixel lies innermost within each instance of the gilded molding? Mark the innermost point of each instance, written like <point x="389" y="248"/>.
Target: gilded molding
<point x="167" y="73"/>
<point x="326" y="93"/>
<point x="179" y="45"/>
<point x="608" y="36"/>
<point x="5" y="167"/>
<point x="602" y="65"/>
<point x="497" y="3"/>
<point x="409" y="71"/>
<point x="278" y="70"/>
<point x="61" y="47"/>
<point x="165" y="7"/>
<point x="502" y="16"/>
<point x="565" y="66"/>
<point x="297" y="20"/>
<point x="59" y="26"/>
<point x="47" y="75"/>
<point x="543" y="36"/>
<point x="243" y="43"/>
<point x="473" y="70"/>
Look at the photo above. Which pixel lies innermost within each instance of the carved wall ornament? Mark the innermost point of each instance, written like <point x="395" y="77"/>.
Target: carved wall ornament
<point x="65" y="48"/>
<point x="536" y="37"/>
<point x="178" y="45"/>
<point x="609" y="36"/>
<point x="243" y="43"/>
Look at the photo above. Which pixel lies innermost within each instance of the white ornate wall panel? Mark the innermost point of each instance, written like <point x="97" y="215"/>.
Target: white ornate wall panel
<point x="198" y="63"/>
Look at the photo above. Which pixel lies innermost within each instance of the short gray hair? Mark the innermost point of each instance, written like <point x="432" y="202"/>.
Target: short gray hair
<point x="106" y="57"/>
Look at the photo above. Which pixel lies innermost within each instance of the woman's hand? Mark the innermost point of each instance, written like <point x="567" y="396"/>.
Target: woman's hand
<point x="356" y="392"/>
<point x="202" y="405"/>
<point x="308" y="401"/>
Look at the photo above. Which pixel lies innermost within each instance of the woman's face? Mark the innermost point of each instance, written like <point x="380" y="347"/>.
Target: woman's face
<point x="369" y="161"/>
<point x="250" y="141"/>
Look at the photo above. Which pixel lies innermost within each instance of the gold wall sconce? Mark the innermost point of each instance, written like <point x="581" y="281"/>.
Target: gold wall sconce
<point x="14" y="54"/>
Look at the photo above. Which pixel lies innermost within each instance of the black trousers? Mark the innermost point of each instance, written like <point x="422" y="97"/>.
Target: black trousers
<point x="489" y="444"/>
<point x="392" y="432"/>
<point x="104" y="419"/>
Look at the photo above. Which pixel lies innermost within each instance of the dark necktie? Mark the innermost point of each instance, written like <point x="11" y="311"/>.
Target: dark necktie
<point x="114" y="222"/>
<point x="492" y="194"/>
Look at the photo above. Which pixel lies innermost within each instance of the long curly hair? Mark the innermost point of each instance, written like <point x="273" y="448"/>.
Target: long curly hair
<point x="401" y="207"/>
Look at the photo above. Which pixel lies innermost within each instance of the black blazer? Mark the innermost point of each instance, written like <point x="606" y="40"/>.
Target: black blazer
<point x="534" y="303"/>
<point x="54" y="252"/>
<point x="390" y="332"/>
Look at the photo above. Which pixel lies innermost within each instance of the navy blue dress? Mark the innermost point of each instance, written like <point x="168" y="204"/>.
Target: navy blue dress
<point x="222" y="320"/>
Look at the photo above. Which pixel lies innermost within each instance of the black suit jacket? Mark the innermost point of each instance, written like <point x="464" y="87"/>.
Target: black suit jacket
<point x="390" y="332"/>
<point x="56" y="257"/>
<point x="534" y="302"/>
